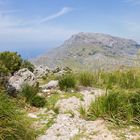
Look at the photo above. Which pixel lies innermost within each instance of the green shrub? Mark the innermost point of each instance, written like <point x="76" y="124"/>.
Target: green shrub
<point x="11" y="60"/>
<point x="86" y="79"/>
<point x="38" y="101"/>
<point x="67" y="82"/>
<point x="29" y="92"/>
<point x="14" y="125"/>
<point x="28" y="65"/>
<point x="119" y="106"/>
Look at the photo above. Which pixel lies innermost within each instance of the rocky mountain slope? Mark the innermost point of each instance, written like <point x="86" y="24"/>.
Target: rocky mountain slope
<point x="92" y="51"/>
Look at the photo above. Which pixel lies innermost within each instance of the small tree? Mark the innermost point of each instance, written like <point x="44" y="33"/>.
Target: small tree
<point x="11" y="60"/>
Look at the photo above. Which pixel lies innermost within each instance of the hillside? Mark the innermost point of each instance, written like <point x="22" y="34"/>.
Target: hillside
<point x="61" y="104"/>
<point x="92" y="51"/>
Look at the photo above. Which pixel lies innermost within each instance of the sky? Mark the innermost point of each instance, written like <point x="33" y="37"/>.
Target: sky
<point x="32" y="27"/>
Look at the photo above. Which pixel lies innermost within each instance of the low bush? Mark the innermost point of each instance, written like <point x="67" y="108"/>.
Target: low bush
<point x="86" y="79"/>
<point x="12" y="62"/>
<point x="67" y="82"/>
<point x="38" y="101"/>
<point x="14" y="125"/>
<point x="30" y="93"/>
<point x="119" y="106"/>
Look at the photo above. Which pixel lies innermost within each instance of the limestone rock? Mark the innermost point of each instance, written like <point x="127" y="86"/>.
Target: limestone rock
<point x="51" y="85"/>
<point x="41" y="71"/>
<point x="23" y="76"/>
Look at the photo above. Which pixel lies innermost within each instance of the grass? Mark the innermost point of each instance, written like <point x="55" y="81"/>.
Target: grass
<point x="121" y="103"/>
<point x="30" y="94"/>
<point x="86" y="79"/>
<point x="14" y="124"/>
<point x="126" y="79"/>
<point x="67" y="82"/>
<point x="119" y="107"/>
<point x="83" y="112"/>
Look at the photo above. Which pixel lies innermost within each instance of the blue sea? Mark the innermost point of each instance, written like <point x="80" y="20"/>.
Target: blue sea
<point x="28" y="50"/>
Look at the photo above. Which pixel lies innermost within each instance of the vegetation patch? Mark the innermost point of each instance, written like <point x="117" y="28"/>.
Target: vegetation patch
<point x="86" y="79"/>
<point x="119" y="107"/>
<point x="38" y="101"/>
<point x="67" y="82"/>
<point x="126" y="79"/>
<point x="14" y="125"/>
<point x="30" y="93"/>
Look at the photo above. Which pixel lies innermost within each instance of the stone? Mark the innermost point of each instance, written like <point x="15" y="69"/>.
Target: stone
<point x="40" y="71"/>
<point x="20" y="78"/>
<point x="51" y="85"/>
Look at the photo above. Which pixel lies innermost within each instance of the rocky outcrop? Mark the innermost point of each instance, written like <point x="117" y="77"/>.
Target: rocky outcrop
<point x="41" y="71"/>
<point x="23" y="76"/>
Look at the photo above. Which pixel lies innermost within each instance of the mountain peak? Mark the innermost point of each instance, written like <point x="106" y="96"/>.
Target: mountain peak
<point x="92" y="51"/>
<point x="99" y="38"/>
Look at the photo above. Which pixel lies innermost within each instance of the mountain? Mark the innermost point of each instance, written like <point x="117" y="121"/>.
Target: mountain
<point x="92" y="51"/>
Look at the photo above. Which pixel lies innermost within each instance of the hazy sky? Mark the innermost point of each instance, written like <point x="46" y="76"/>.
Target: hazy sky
<point x="28" y="24"/>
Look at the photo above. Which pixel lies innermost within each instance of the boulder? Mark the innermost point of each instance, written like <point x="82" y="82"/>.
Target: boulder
<point x="51" y="85"/>
<point x="23" y="76"/>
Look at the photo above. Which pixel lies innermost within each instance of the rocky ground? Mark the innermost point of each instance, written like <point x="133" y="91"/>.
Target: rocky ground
<point x="61" y="118"/>
<point x="68" y="125"/>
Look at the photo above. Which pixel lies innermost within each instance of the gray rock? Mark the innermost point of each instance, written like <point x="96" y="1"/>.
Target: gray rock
<point x="41" y="71"/>
<point x="51" y="85"/>
<point x="23" y="76"/>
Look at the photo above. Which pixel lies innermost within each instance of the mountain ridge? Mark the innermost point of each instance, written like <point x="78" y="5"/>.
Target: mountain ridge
<point x="93" y="50"/>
